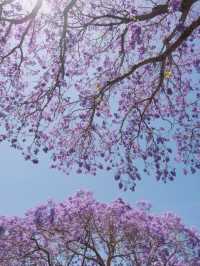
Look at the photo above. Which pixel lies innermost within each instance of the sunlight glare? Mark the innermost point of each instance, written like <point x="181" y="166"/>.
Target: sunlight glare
<point x="29" y="5"/>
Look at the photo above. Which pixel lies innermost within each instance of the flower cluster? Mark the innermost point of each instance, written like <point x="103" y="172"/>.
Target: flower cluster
<point x="175" y="5"/>
<point x="83" y="231"/>
<point x="102" y="85"/>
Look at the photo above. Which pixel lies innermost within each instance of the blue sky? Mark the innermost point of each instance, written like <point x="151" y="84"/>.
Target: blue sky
<point x="24" y="185"/>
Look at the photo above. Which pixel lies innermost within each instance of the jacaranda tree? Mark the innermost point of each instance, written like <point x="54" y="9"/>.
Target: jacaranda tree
<point x="102" y="84"/>
<point x="82" y="231"/>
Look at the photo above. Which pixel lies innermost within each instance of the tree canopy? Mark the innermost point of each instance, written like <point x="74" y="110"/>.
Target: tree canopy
<point x="82" y="231"/>
<point x="102" y="84"/>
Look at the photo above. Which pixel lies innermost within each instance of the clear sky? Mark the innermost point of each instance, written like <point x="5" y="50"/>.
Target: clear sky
<point x="24" y="185"/>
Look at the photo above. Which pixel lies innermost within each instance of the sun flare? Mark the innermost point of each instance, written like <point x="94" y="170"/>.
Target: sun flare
<point x="29" y="5"/>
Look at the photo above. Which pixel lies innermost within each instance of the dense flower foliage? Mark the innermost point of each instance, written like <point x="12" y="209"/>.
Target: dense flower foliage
<point x="102" y="84"/>
<point x="82" y="231"/>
